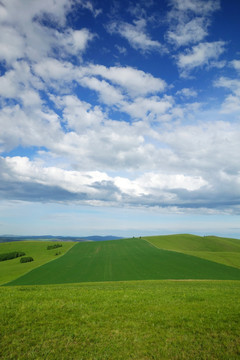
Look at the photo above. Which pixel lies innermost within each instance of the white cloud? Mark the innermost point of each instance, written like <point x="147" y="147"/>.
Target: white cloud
<point x="236" y="64"/>
<point x="206" y="148"/>
<point x="12" y="44"/>
<point x="231" y="103"/>
<point x="92" y="183"/>
<point x="88" y="5"/>
<point x="148" y="159"/>
<point x="192" y="31"/>
<point x="150" y="109"/>
<point x="121" y="49"/>
<point x="189" y="20"/>
<point x="228" y="83"/>
<point x="134" y="81"/>
<point x="20" y="84"/>
<point x="200" y="55"/>
<point x="73" y="42"/>
<point x="123" y="80"/>
<point x="26" y="36"/>
<point x="28" y="127"/>
<point x="193" y="166"/>
<point x="199" y="7"/>
<point x="136" y="34"/>
<point x="187" y="93"/>
<point x="79" y="115"/>
<point x="155" y="182"/>
<point x="52" y="69"/>
<point x="21" y="168"/>
<point x="108" y="94"/>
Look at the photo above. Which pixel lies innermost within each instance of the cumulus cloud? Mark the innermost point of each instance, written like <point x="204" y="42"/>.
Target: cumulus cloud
<point x="79" y="115"/>
<point x="28" y="127"/>
<point x="92" y="185"/>
<point x="171" y="190"/>
<point x="134" y="81"/>
<point x="12" y="45"/>
<point x="19" y="83"/>
<point x="30" y="37"/>
<point x="151" y="109"/>
<point x="108" y="94"/>
<point x="127" y="146"/>
<point x="51" y="69"/>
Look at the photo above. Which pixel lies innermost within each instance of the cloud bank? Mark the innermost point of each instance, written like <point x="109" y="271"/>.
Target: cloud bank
<point x="75" y="129"/>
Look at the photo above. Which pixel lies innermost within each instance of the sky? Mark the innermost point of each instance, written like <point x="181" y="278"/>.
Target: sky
<point x="119" y="117"/>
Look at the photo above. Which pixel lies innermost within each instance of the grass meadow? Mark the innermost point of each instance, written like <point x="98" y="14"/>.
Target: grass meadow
<point x="221" y="250"/>
<point x="11" y="269"/>
<point x="195" y="320"/>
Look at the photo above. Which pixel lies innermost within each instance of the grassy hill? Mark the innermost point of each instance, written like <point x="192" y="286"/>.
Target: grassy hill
<point x="11" y="269"/>
<point x="221" y="250"/>
<point x="126" y="259"/>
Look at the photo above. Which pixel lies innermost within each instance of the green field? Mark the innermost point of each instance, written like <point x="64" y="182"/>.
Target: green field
<point x="161" y="320"/>
<point x="76" y="305"/>
<point x="11" y="269"/>
<point x="121" y="260"/>
<point x="221" y="250"/>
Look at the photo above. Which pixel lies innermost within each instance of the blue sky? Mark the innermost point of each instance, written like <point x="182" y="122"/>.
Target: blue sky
<point x="119" y="117"/>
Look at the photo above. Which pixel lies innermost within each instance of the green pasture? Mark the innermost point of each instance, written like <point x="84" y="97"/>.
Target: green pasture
<point x="143" y="320"/>
<point x="188" y="242"/>
<point x="11" y="269"/>
<point x="127" y="259"/>
<point x="221" y="250"/>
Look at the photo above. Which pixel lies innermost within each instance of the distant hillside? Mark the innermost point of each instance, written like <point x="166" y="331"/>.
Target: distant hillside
<point x="101" y="238"/>
<point x="221" y="250"/>
<point x="12" y="269"/>
<point x="188" y="242"/>
<point x="10" y="238"/>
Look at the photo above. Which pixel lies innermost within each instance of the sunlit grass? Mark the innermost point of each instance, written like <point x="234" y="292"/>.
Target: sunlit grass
<point x="221" y="250"/>
<point x="122" y="320"/>
<point x="11" y="269"/>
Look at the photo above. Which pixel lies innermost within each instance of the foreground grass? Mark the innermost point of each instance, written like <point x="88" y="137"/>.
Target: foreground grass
<point x="122" y="260"/>
<point x="221" y="250"/>
<point x="133" y="320"/>
<point x="11" y="269"/>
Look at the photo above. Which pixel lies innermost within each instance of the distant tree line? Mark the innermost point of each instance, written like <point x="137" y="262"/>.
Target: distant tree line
<point x="11" y="255"/>
<point x="26" y="259"/>
<point x="55" y="246"/>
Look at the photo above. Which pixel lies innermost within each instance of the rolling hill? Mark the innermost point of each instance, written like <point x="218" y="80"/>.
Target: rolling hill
<point x="130" y="259"/>
<point x="12" y="269"/>
<point x="221" y="250"/>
